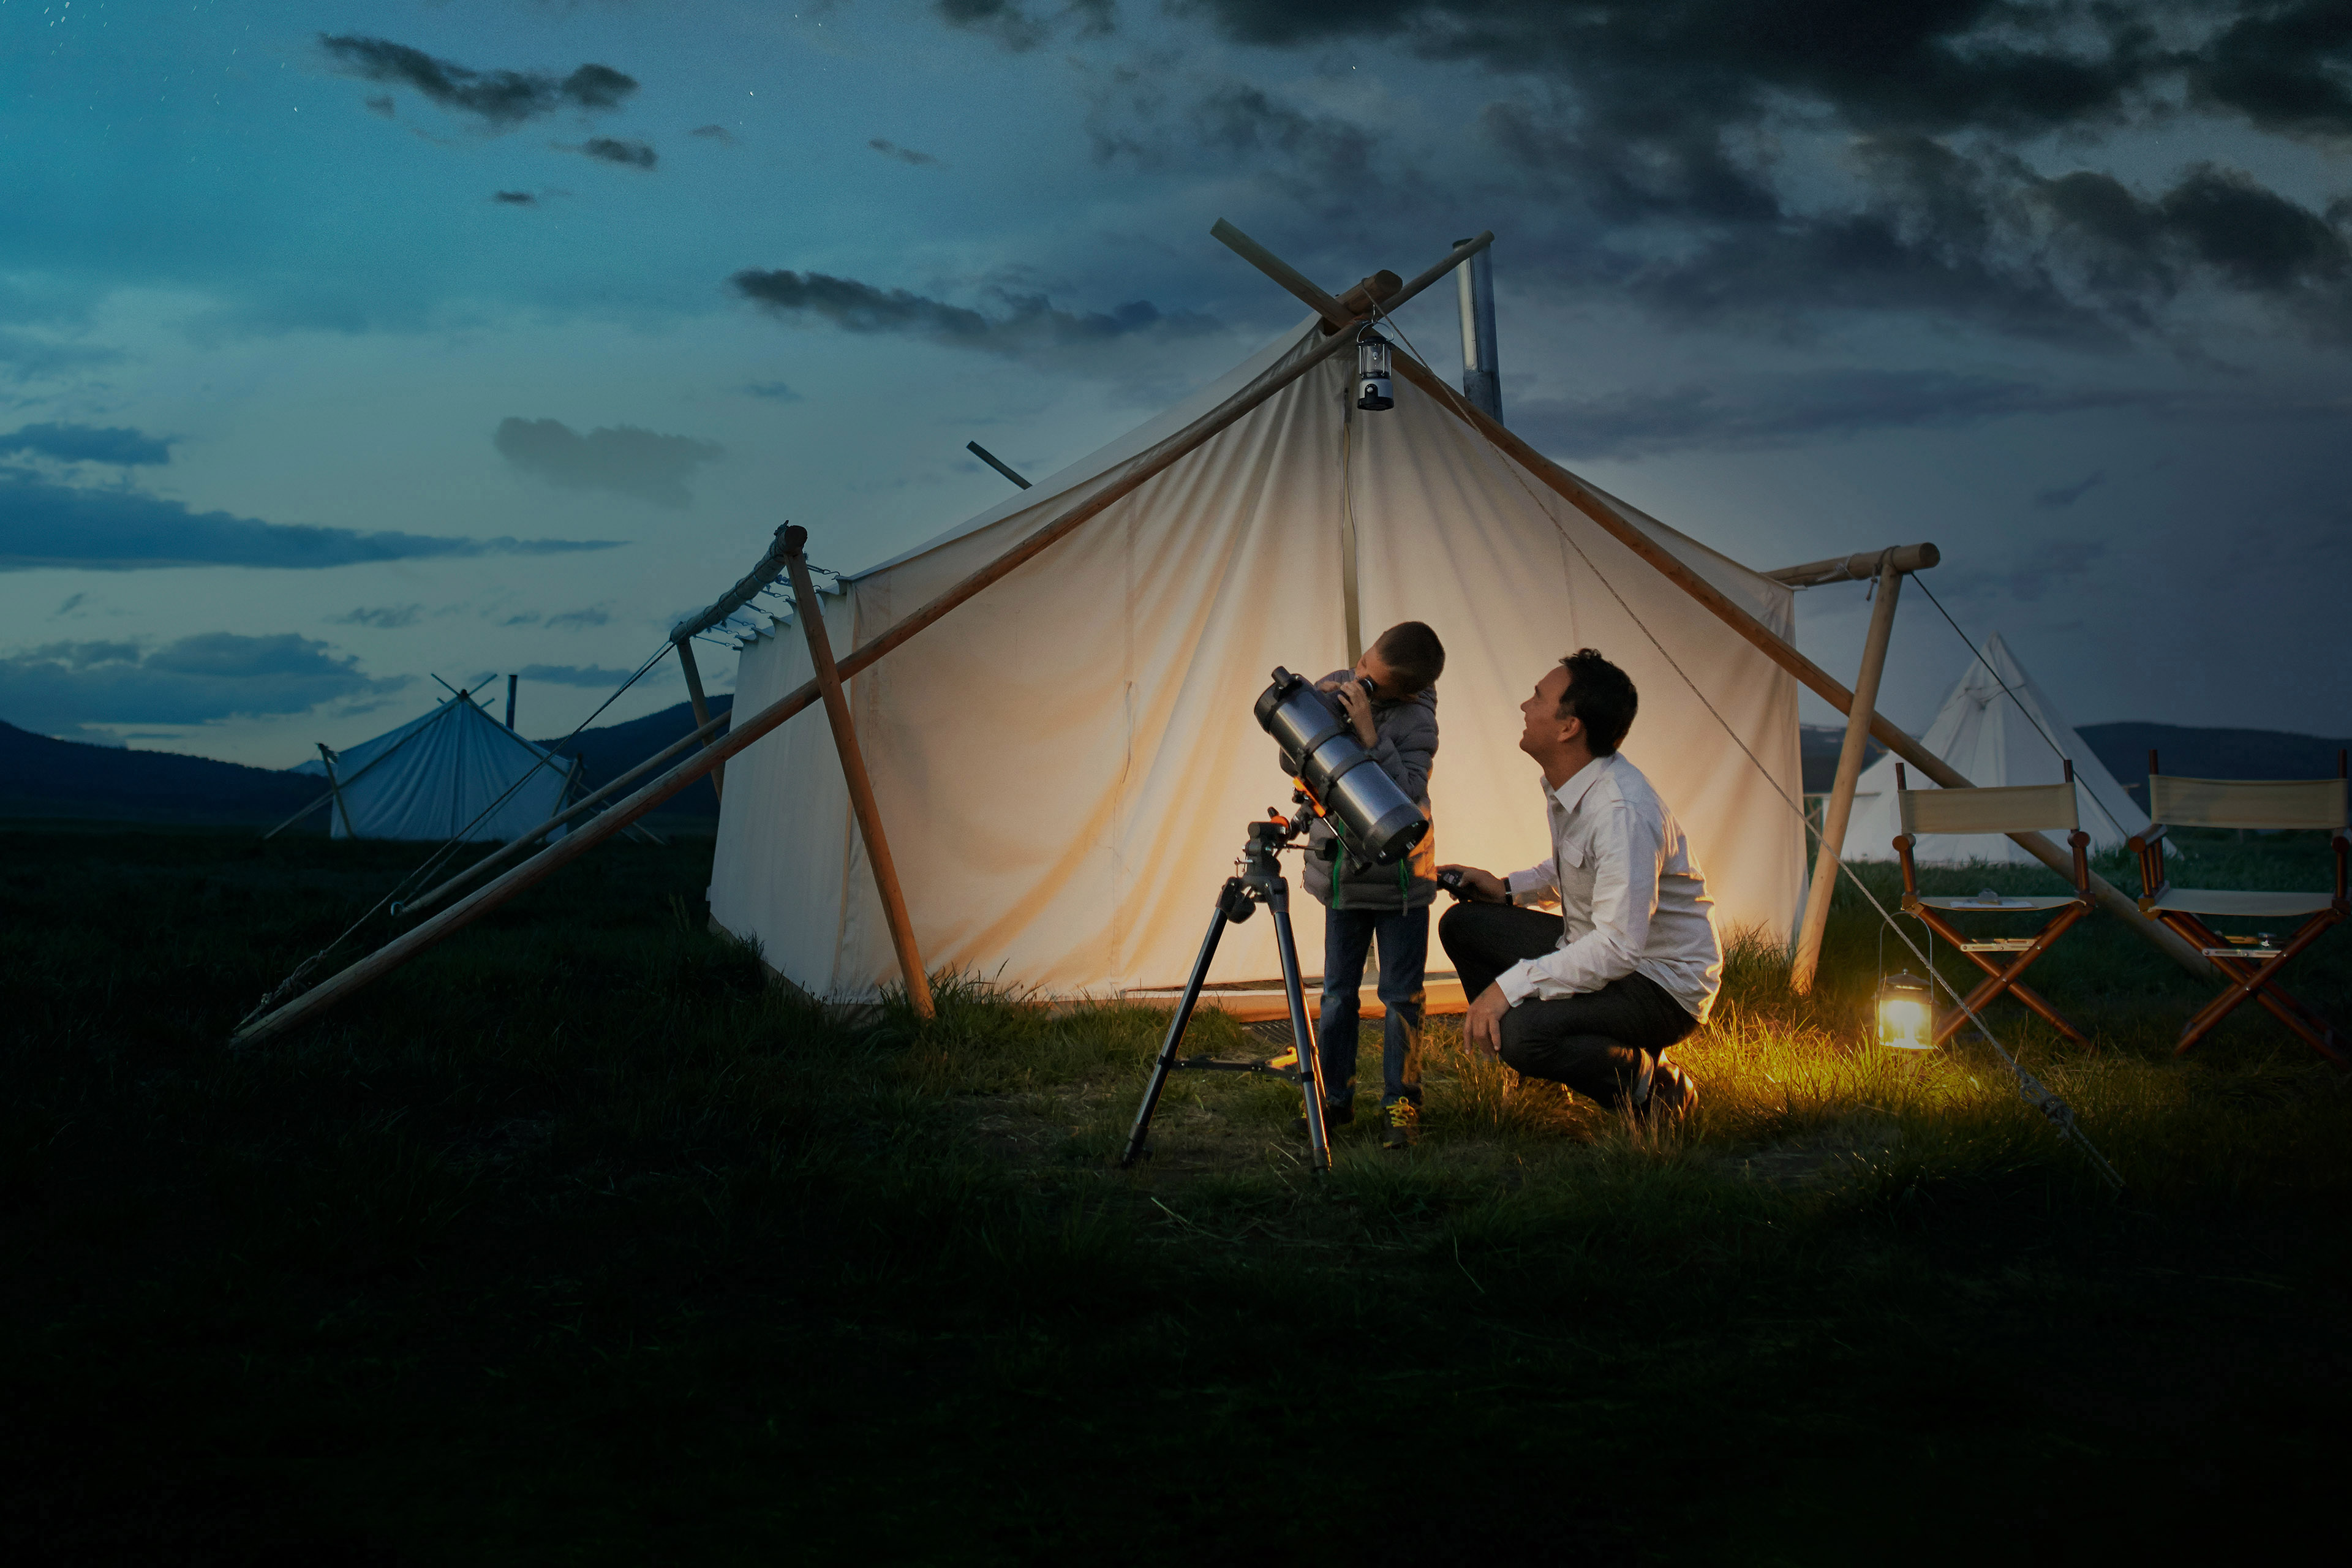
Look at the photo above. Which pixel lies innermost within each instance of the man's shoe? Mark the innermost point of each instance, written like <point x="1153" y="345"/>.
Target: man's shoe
<point x="1674" y="1094"/>
<point x="1401" y="1121"/>
<point x="1334" y="1115"/>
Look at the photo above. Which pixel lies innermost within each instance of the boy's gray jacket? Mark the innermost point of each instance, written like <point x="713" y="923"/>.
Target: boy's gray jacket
<point x="1406" y="730"/>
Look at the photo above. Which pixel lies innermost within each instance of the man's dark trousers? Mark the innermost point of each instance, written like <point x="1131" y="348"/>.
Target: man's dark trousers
<point x="1593" y="1043"/>
<point x="1405" y="957"/>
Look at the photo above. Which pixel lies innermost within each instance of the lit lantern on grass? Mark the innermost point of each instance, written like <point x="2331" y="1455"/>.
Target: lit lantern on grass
<point x="1906" y="1014"/>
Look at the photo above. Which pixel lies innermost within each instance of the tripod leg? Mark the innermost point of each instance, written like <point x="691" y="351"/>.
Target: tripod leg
<point x="1310" y="1059"/>
<point x="1168" y="1047"/>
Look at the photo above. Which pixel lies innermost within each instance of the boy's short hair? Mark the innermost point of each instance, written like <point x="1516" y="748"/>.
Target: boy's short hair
<point x="1602" y="695"/>
<point x="1413" y="650"/>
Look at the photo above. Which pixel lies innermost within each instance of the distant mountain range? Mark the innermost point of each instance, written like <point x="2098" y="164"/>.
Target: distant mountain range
<point x="40" y="777"/>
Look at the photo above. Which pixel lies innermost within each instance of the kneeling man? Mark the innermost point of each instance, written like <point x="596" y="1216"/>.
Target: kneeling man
<point x="1592" y="996"/>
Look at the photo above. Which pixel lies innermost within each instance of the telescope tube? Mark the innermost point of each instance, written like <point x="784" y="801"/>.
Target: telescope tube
<point x="1319" y="749"/>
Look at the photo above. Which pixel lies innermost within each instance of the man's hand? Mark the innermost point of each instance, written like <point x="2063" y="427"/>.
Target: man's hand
<point x="1357" y="706"/>
<point x="1482" y="1025"/>
<point x="1484" y="887"/>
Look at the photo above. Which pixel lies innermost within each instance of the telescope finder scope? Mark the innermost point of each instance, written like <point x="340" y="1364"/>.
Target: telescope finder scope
<point x="1319" y="749"/>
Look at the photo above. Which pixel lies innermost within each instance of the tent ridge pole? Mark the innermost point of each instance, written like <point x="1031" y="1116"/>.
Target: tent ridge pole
<point x="1839" y="810"/>
<point x="853" y="773"/>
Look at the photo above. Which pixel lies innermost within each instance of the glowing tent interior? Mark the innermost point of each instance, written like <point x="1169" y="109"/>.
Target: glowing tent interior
<point x="1067" y="765"/>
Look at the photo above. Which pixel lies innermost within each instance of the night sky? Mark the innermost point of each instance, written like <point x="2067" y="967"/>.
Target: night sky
<point x="342" y="345"/>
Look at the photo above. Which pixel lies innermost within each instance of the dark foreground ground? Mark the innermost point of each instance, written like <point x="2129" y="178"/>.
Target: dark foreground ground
<point x="576" y="1243"/>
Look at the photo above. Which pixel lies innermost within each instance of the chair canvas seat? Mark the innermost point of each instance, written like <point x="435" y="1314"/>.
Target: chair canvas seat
<point x="2231" y="902"/>
<point x="2251" y="974"/>
<point x="2002" y="808"/>
<point x="1971" y="904"/>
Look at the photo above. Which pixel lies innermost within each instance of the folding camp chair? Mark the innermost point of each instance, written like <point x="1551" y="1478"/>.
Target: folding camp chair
<point x="2252" y="964"/>
<point x="2012" y="808"/>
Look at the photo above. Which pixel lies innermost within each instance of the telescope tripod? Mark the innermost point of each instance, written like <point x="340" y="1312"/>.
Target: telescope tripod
<point x="1260" y="882"/>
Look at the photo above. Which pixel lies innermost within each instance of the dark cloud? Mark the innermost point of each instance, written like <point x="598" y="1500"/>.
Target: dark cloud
<point x="574" y="675"/>
<point x="1685" y="153"/>
<point x="27" y="357"/>
<point x="381" y="104"/>
<point x="1029" y="324"/>
<point x="2286" y="68"/>
<point x="2057" y="498"/>
<point x="45" y="524"/>
<point x="194" y="680"/>
<point x="904" y="154"/>
<point x="387" y="617"/>
<point x="714" y="134"/>
<point x="87" y="444"/>
<point x="515" y="198"/>
<point x="621" y="460"/>
<point x="497" y="97"/>
<point x="1721" y="416"/>
<point x="774" y="391"/>
<point x="1018" y="28"/>
<point x="577" y="620"/>
<point x="613" y="150"/>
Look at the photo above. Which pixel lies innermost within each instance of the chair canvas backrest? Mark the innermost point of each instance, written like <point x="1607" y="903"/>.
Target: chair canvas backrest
<point x="1998" y="808"/>
<point x="2245" y="803"/>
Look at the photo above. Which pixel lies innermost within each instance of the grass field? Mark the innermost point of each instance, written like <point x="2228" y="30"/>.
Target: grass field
<point x="576" y="1242"/>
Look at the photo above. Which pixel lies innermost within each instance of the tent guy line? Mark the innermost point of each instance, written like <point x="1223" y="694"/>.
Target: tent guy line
<point x="448" y="846"/>
<point x="2057" y="750"/>
<point x="753" y="727"/>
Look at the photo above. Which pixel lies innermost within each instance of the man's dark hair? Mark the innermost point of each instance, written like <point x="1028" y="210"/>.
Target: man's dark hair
<point x="1413" y="650"/>
<point x="1602" y="695"/>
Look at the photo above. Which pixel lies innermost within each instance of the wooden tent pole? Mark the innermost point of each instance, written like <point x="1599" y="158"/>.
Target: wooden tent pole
<point x="811" y="614"/>
<point x="1668" y="565"/>
<point x="742" y="731"/>
<point x="1839" y="810"/>
<point x="685" y="646"/>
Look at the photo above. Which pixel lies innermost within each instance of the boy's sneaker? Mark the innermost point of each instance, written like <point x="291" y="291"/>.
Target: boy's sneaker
<point x="1401" y="1121"/>
<point x="1334" y="1115"/>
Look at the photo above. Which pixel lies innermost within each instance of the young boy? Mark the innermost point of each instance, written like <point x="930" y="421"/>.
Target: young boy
<point x="1396" y="720"/>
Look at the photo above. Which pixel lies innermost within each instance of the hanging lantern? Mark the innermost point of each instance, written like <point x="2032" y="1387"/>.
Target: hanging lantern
<point x="1906" y="1014"/>
<point x="1372" y="387"/>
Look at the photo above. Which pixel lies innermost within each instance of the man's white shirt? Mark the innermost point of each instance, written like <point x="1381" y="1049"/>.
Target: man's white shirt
<point x="1632" y="899"/>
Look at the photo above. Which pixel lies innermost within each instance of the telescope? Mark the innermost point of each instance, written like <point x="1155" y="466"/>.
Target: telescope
<point x="1346" y="788"/>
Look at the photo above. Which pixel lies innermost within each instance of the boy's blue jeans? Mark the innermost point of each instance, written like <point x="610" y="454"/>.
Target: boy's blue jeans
<point x="1405" y="957"/>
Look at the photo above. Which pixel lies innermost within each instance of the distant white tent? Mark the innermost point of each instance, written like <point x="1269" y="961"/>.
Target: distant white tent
<point x="432" y="777"/>
<point x="1991" y="736"/>
<point x="1067" y="764"/>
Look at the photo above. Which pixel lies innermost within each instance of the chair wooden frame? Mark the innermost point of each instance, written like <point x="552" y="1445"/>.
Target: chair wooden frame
<point x="2251" y="970"/>
<point x="2028" y="808"/>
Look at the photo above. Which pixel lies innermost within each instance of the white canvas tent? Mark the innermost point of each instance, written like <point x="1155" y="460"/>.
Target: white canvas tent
<point x="1066" y="765"/>
<point x="1990" y="735"/>
<point x="433" y="776"/>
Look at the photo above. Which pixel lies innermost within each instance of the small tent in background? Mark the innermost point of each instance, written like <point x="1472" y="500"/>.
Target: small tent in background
<point x="430" y="778"/>
<point x="1993" y="737"/>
